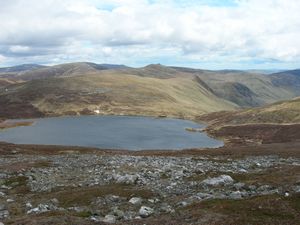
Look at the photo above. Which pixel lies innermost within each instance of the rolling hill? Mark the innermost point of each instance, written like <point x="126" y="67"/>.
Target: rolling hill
<point x="21" y="68"/>
<point x="275" y="123"/>
<point x="89" y="88"/>
<point x="63" y="70"/>
<point x="110" y="93"/>
<point x="247" y="89"/>
<point x="284" y="112"/>
<point x="287" y="79"/>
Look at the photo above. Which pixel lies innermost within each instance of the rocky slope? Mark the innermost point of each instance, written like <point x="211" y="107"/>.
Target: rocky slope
<point x="103" y="187"/>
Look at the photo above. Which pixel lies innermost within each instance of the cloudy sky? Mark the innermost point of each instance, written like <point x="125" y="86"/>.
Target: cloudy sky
<point x="213" y="34"/>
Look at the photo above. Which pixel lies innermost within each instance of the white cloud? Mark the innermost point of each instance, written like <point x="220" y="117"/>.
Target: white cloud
<point x="19" y="49"/>
<point x="2" y="58"/>
<point x="102" y="30"/>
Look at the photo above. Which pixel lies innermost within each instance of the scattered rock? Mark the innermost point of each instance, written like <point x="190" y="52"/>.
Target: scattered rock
<point x="54" y="201"/>
<point x="42" y="208"/>
<point x="118" y="213"/>
<point x="166" y="208"/>
<point x="217" y="181"/>
<point x="182" y="204"/>
<point x="239" y="186"/>
<point x="297" y="189"/>
<point x="126" y="179"/>
<point x="4" y="213"/>
<point x="235" y="195"/>
<point x="28" y="205"/>
<point x="145" y="211"/>
<point x="109" y="219"/>
<point x="170" y="179"/>
<point x="2" y="207"/>
<point x="112" y="198"/>
<point x="135" y="201"/>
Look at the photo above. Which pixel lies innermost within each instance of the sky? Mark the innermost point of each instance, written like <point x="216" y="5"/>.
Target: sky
<point x="208" y="34"/>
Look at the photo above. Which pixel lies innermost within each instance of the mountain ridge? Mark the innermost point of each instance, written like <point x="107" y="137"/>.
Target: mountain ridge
<point x="84" y="87"/>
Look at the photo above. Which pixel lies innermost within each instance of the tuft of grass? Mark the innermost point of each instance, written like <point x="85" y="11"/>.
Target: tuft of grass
<point x="15" y="181"/>
<point x="42" y="164"/>
<point x="272" y="209"/>
<point x="84" y="196"/>
<point x="18" y="184"/>
<point x="84" y="214"/>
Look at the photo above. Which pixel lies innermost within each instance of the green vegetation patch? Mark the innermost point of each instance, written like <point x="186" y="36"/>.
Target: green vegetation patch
<point x="84" y="196"/>
<point x="18" y="184"/>
<point x="272" y="209"/>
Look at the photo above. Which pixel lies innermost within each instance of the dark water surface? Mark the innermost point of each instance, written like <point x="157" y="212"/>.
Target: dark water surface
<point x="111" y="132"/>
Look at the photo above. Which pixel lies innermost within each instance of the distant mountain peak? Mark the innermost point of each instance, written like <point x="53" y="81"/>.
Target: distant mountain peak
<point x="155" y="66"/>
<point x="21" y="68"/>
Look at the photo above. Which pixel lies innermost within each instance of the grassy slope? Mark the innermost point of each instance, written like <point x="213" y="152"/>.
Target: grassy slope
<point x="276" y="123"/>
<point x="152" y="90"/>
<point x="5" y="82"/>
<point x="113" y="93"/>
<point x="284" y="112"/>
<point x="247" y="89"/>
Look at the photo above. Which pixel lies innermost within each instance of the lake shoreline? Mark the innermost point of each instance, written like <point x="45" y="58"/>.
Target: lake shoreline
<point x="7" y="124"/>
<point x="172" y="127"/>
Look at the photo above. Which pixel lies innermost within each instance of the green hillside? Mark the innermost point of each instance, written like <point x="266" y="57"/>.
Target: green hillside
<point x="110" y="93"/>
<point x="284" y="112"/>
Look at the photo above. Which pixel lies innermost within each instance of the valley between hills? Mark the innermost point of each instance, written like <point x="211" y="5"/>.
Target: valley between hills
<point x="253" y="179"/>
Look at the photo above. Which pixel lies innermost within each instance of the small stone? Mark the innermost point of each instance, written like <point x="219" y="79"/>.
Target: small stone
<point x="243" y="171"/>
<point x="39" y="209"/>
<point x="235" y="195"/>
<point x="126" y="179"/>
<point x="145" y="211"/>
<point x="297" y="189"/>
<point x="151" y="200"/>
<point x="118" y="213"/>
<point x="2" y="207"/>
<point x="129" y="215"/>
<point x="54" y="201"/>
<point x="10" y="200"/>
<point x="216" y="181"/>
<point x="155" y="200"/>
<point x="166" y="208"/>
<point x="4" y="214"/>
<point x="239" y="185"/>
<point x="135" y="201"/>
<point x="28" y="205"/>
<point x="204" y="196"/>
<point x="109" y="219"/>
<point x="182" y="204"/>
<point x="5" y="187"/>
<point x="252" y="187"/>
<point x="95" y="218"/>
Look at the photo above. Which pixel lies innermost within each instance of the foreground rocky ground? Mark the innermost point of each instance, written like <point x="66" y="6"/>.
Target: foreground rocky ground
<point x="61" y="185"/>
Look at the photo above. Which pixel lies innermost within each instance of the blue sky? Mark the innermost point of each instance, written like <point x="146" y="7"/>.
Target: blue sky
<point x="220" y="3"/>
<point x="210" y="34"/>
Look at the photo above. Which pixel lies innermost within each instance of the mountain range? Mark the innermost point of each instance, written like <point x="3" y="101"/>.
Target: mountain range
<point x="156" y="90"/>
